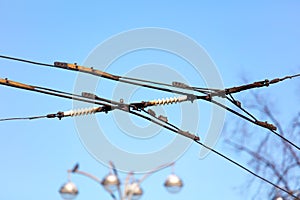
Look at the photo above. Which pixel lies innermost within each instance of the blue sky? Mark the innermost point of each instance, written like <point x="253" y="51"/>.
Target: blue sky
<point x="256" y="40"/>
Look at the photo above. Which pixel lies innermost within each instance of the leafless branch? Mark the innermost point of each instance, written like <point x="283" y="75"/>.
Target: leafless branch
<point x="269" y="156"/>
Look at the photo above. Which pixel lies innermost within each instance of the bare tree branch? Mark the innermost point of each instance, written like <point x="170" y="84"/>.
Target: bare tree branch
<point x="273" y="158"/>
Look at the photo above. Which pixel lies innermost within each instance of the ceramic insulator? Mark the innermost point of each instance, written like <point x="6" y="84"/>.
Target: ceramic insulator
<point x="169" y="100"/>
<point x="80" y="112"/>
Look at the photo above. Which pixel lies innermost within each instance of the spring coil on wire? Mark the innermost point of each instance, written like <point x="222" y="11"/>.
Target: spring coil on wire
<point x="80" y="112"/>
<point x="168" y="100"/>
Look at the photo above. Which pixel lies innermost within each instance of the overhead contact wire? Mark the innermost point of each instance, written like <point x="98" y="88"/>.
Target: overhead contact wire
<point x="221" y="93"/>
<point x="173" y="128"/>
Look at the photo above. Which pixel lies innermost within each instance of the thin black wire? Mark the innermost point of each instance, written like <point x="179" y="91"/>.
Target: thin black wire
<point x="289" y="77"/>
<point x="165" y="122"/>
<point x="123" y="77"/>
<point x="96" y="101"/>
<point x="156" y="122"/>
<point x="178" y="92"/>
<point x="124" y="81"/>
<point x="58" y="93"/>
<point x="242" y="109"/>
<point x="154" y="87"/>
<point x="286" y="140"/>
<point x="169" y="90"/>
<point x="23" y="118"/>
<point x="26" y="61"/>
<point x="274" y="132"/>
<point x="254" y="122"/>
<point x="200" y="143"/>
<point x="76" y="95"/>
<point x="196" y="89"/>
<point x="247" y="170"/>
<point x="204" y="90"/>
<point x="174" y="129"/>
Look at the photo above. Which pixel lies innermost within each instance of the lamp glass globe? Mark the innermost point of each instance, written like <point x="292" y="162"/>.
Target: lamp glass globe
<point x="173" y="183"/>
<point x="134" y="191"/>
<point x="110" y="182"/>
<point x="68" y="191"/>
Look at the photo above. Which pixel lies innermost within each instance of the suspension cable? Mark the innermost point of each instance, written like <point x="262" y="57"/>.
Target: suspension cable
<point x="26" y="61"/>
<point x="154" y="119"/>
<point x="266" y="125"/>
<point x="207" y="91"/>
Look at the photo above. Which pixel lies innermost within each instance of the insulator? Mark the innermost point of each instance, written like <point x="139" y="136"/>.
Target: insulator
<point x="169" y="100"/>
<point x="80" y="112"/>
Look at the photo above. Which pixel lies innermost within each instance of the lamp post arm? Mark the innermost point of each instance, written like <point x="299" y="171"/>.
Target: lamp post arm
<point x="91" y="176"/>
<point x="155" y="170"/>
<point x="86" y="174"/>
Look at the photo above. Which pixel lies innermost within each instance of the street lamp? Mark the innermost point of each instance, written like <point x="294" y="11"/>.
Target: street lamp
<point x="111" y="183"/>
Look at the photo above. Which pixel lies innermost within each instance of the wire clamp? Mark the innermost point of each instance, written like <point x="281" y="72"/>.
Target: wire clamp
<point x="266" y="125"/>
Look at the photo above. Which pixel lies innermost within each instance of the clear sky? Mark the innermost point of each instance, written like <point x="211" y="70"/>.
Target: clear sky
<point x="256" y="40"/>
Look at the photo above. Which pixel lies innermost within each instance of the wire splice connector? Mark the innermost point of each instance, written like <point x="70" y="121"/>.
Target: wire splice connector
<point x="189" y="135"/>
<point x="180" y="84"/>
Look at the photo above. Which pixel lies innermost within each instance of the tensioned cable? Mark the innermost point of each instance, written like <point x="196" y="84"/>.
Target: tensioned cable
<point x="255" y="122"/>
<point x="212" y="92"/>
<point x="23" y="118"/>
<point x="102" y="74"/>
<point x="91" y="96"/>
<point x="50" y="92"/>
<point x="26" y="61"/>
<point x="165" y="122"/>
<point x="247" y="170"/>
<point x="177" y="85"/>
<point x="75" y="67"/>
<point x="238" y="105"/>
<point x="123" y="77"/>
<point x="270" y="127"/>
<point x="85" y="98"/>
<point x="97" y="100"/>
<point x="174" y="129"/>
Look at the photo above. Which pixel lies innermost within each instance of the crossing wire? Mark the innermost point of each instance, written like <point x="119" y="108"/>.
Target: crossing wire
<point x="208" y="97"/>
<point x="157" y="121"/>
